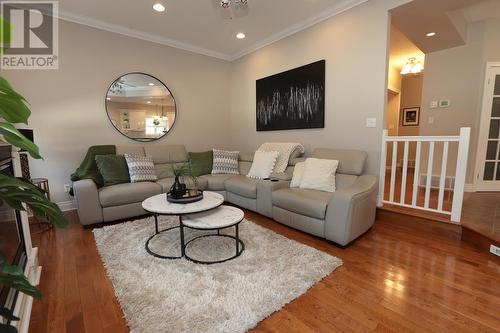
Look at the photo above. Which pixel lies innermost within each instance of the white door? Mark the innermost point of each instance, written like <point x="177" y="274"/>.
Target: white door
<point x="488" y="158"/>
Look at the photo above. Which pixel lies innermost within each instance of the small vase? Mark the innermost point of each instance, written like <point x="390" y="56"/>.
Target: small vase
<point x="177" y="190"/>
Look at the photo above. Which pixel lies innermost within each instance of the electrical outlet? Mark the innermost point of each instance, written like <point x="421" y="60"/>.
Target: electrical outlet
<point x="67" y="188"/>
<point x="495" y="250"/>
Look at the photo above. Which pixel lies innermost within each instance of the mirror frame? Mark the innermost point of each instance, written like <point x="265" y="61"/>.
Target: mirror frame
<point x="111" y="122"/>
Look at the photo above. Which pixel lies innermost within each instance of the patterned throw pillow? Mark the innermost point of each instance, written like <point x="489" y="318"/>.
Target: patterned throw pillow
<point x="140" y="168"/>
<point x="225" y="162"/>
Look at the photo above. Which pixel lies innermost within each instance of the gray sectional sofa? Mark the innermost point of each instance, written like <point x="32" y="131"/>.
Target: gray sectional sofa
<point x="339" y="217"/>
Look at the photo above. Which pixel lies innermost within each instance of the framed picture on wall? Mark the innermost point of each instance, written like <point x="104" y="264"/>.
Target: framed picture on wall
<point x="411" y="116"/>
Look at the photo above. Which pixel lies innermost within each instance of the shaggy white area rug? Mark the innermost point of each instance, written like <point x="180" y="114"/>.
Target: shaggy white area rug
<point x="159" y="295"/>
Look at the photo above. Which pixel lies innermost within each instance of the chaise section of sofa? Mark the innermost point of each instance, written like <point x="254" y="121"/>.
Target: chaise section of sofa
<point x="341" y="216"/>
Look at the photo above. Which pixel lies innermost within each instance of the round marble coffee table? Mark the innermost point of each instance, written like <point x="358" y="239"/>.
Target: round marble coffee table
<point x="217" y="219"/>
<point x="158" y="205"/>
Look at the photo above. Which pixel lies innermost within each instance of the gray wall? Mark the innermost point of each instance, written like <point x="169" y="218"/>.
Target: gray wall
<point x="68" y="104"/>
<point x="354" y="45"/>
<point x="457" y="74"/>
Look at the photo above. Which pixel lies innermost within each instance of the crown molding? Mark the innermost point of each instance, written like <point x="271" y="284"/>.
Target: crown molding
<point x="330" y="12"/>
<point x="118" y="29"/>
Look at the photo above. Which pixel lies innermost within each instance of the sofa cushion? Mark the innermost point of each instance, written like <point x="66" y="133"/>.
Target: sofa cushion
<point x="163" y="154"/>
<point x="113" y="169"/>
<point x="166" y="183"/>
<point x="351" y="162"/>
<point x="201" y="163"/>
<point x="310" y="203"/>
<point x="123" y="194"/>
<point x="129" y="149"/>
<point x="216" y="182"/>
<point x="242" y="186"/>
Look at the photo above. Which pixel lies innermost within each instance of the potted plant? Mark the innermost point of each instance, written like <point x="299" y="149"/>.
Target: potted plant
<point x="181" y="173"/>
<point x="19" y="193"/>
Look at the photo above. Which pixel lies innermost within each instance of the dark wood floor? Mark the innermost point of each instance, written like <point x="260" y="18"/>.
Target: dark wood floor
<point x="402" y="276"/>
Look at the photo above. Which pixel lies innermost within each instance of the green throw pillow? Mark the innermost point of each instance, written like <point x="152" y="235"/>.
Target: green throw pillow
<point x="201" y="163"/>
<point x="113" y="169"/>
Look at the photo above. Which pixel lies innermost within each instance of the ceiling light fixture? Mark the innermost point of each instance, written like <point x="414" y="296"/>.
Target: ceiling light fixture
<point x="240" y="35"/>
<point x="431" y="34"/>
<point x="227" y="3"/>
<point x="151" y="84"/>
<point x="412" y="67"/>
<point x="159" y="7"/>
<point x="149" y="102"/>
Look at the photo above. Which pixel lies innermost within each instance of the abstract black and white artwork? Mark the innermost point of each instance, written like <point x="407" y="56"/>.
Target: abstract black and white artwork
<point x="294" y="99"/>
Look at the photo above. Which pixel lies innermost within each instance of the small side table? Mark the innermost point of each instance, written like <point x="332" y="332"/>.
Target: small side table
<point x="41" y="225"/>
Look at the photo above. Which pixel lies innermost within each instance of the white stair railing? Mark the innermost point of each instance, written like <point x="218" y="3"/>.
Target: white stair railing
<point x="459" y="175"/>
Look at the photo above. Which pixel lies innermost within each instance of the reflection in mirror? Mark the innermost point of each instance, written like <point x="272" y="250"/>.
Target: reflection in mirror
<point x="140" y="107"/>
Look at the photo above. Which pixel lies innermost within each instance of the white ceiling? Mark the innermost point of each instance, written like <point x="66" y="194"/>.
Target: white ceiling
<point x="445" y="17"/>
<point x="200" y="25"/>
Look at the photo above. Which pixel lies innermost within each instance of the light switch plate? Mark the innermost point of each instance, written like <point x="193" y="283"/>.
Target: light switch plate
<point x="434" y="104"/>
<point x="371" y="122"/>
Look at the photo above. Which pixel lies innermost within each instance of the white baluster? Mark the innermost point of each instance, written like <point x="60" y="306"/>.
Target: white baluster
<point x="416" y="176"/>
<point x="393" y="170"/>
<point x="429" y="175"/>
<point x="442" y="178"/>
<point x="405" y="171"/>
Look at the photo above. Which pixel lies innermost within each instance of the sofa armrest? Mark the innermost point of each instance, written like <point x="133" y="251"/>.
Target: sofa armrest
<point x="351" y="211"/>
<point x="265" y="190"/>
<point x="87" y="201"/>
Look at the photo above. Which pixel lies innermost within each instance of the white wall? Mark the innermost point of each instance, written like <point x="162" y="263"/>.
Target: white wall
<point x="68" y="104"/>
<point x="354" y="45"/>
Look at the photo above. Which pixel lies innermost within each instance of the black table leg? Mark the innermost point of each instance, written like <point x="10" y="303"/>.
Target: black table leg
<point x="156" y="223"/>
<point x="237" y="239"/>
<point x="183" y="246"/>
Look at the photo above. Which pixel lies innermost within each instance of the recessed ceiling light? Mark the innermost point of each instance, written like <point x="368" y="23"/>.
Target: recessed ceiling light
<point x="159" y="7"/>
<point x="108" y="98"/>
<point x="149" y="102"/>
<point x="240" y="35"/>
<point x="430" y="34"/>
<point x="151" y="84"/>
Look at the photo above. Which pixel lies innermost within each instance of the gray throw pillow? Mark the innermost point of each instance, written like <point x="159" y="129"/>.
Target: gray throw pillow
<point x="225" y="162"/>
<point x="140" y="168"/>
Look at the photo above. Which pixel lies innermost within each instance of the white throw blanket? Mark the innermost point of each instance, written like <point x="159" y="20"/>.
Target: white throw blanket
<point x="285" y="149"/>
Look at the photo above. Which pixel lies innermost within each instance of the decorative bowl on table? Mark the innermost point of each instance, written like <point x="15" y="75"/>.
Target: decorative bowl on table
<point x="189" y="196"/>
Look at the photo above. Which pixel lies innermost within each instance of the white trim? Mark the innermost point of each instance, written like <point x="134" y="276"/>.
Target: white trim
<point x="484" y="123"/>
<point x="469" y="188"/>
<point x="115" y="28"/>
<point x="67" y="205"/>
<point x="118" y="29"/>
<point x="328" y="13"/>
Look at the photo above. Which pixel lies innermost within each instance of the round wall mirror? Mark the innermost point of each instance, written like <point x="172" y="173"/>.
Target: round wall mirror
<point x="140" y="107"/>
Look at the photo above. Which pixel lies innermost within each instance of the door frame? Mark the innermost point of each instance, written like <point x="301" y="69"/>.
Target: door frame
<point x="484" y="123"/>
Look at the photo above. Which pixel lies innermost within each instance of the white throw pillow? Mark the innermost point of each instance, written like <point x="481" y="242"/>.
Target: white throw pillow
<point x="319" y="174"/>
<point x="263" y="164"/>
<point x="140" y="168"/>
<point x="298" y="172"/>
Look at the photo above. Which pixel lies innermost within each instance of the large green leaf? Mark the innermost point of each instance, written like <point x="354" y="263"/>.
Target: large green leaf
<point x="13" y="136"/>
<point x="13" y="106"/>
<point x="14" y="191"/>
<point x="7" y="314"/>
